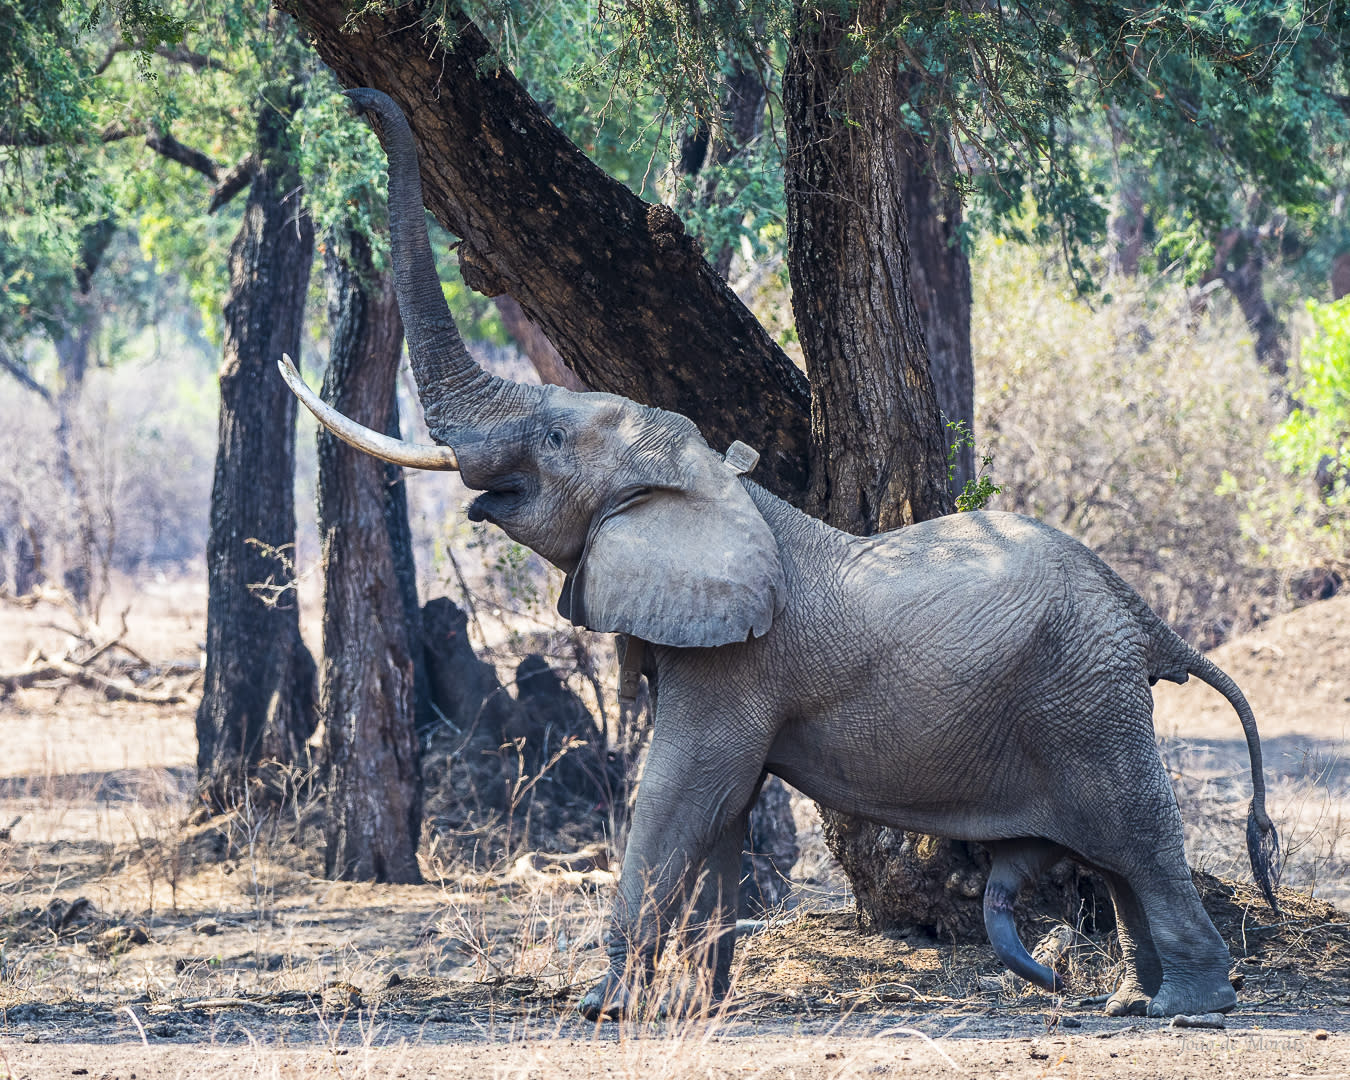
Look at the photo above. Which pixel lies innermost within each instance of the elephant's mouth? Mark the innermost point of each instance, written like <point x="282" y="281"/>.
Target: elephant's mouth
<point x="500" y="501"/>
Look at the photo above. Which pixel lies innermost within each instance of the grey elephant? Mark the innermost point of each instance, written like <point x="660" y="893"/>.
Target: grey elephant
<point x="982" y="676"/>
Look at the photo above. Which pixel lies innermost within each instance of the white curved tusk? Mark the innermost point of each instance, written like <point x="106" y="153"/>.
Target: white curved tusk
<point x="394" y="451"/>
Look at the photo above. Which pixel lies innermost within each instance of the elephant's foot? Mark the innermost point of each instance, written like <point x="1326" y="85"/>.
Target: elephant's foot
<point x="1130" y="999"/>
<point x="609" y="999"/>
<point x="1175" y="997"/>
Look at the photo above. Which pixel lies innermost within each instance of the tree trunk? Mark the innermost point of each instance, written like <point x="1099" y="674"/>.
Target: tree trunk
<point x="613" y="281"/>
<point x="878" y="456"/>
<point x="854" y="170"/>
<point x="84" y="570"/>
<point x="258" y="698"/>
<point x="1240" y="265"/>
<point x="1340" y="276"/>
<point x="368" y="687"/>
<point x="1127" y="228"/>
<point x="940" y="280"/>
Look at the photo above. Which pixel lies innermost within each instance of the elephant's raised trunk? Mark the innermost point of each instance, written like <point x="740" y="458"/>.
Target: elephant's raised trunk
<point x="453" y="388"/>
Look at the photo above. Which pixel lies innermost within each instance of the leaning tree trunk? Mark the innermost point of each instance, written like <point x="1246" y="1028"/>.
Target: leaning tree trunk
<point x="613" y="281"/>
<point x="258" y="699"/>
<point x="368" y="684"/>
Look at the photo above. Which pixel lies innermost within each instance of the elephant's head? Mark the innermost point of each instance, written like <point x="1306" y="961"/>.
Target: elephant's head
<point x="654" y="529"/>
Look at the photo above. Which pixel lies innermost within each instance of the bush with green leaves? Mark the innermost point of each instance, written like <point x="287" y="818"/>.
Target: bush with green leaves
<point x="1302" y="520"/>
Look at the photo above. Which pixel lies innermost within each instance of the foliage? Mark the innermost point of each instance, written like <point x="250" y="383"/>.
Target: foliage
<point x="1313" y="440"/>
<point x="979" y="489"/>
<point x="581" y="60"/>
<point x="1302" y="520"/>
<point x="1217" y="111"/>
<point x="89" y="86"/>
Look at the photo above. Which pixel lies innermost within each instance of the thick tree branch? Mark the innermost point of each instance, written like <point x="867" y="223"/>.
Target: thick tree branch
<point x="234" y="182"/>
<point x="615" y="284"/>
<point x="35" y="140"/>
<point x="198" y="62"/>
<point x="166" y="144"/>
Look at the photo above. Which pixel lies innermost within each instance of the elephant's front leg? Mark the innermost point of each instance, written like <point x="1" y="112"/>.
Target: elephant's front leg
<point x="691" y="806"/>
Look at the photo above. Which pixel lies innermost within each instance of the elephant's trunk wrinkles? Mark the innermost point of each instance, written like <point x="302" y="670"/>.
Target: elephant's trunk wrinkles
<point x="452" y="387"/>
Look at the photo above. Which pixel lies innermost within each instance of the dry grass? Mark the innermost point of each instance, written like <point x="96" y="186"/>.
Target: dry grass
<point x="247" y="950"/>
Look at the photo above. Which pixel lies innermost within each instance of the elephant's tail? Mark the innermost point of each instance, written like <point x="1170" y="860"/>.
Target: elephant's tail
<point x="1263" y="842"/>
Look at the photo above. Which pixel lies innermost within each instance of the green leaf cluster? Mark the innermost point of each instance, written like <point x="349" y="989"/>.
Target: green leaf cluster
<point x="1315" y="440"/>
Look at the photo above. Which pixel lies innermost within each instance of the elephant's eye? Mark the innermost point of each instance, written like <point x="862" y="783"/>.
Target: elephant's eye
<point x="555" y="438"/>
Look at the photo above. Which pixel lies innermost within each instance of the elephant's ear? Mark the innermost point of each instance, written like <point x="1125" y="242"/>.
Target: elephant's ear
<point x="688" y="566"/>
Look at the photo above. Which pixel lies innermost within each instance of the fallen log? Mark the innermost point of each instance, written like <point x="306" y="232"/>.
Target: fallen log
<point x="65" y="670"/>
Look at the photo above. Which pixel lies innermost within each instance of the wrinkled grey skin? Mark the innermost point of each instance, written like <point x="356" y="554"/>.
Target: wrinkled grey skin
<point x="981" y="677"/>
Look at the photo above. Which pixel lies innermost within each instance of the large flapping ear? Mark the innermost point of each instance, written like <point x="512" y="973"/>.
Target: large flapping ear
<point x="693" y="564"/>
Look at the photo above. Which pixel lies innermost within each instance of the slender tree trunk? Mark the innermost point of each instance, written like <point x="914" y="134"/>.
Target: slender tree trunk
<point x="1340" y="276"/>
<point x="258" y="698"/>
<point x="1240" y="265"/>
<point x="368" y="686"/>
<point x="940" y="279"/>
<point x="83" y="572"/>
<point x="1127" y="228"/>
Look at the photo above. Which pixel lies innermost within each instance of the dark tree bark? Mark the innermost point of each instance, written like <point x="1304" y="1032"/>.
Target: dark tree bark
<point x="940" y="281"/>
<point x="534" y="343"/>
<point x="368" y="684"/>
<point x="878" y="455"/>
<point x="1240" y="265"/>
<point x="615" y="284"/>
<point x="259" y="693"/>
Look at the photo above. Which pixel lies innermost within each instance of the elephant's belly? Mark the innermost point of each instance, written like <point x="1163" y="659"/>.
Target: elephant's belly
<point x="957" y="781"/>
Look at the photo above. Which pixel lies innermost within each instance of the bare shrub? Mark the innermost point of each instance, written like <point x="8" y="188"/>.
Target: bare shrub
<point x="1138" y="428"/>
<point x="141" y="442"/>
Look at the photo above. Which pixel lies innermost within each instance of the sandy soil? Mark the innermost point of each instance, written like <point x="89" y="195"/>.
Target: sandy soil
<point x="131" y="947"/>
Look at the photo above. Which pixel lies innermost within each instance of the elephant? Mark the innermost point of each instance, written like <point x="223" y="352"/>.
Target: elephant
<point x="981" y="676"/>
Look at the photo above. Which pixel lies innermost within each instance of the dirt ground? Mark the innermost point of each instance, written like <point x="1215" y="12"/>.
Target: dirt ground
<point x="133" y="947"/>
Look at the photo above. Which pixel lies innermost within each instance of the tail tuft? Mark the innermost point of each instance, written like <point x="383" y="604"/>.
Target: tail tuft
<point x="1263" y="848"/>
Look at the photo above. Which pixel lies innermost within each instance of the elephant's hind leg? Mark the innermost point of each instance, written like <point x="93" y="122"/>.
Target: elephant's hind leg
<point x="1017" y="864"/>
<point x="712" y="930"/>
<point x="1143" y="971"/>
<point x="1159" y="904"/>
